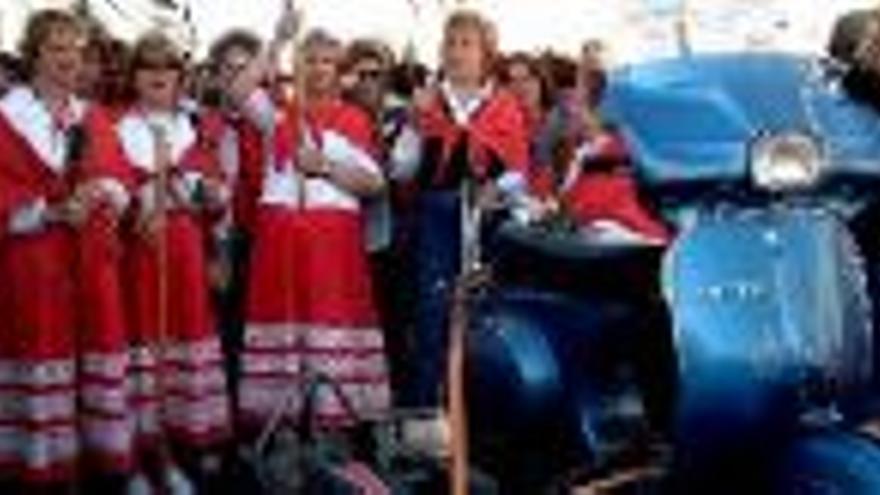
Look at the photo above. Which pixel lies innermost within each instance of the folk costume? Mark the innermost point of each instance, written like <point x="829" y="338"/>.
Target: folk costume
<point x="63" y="358"/>
<point x="178" y="387"/>
<point x="310" y="305"/>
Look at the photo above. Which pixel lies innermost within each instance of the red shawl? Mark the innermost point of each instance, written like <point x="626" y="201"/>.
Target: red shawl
<point x="249" y="181"/>
<point x="498" y="128"/>
<point x="24" y="177"/>
<point x="332" y="114"/>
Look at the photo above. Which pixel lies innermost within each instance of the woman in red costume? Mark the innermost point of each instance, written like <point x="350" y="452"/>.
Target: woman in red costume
<point x="583" y="166"/>
<point x="178" y="385"/>
<point x="464" y="131"/>
<point x="63" y="412"/>
<point x="310" y="307"/>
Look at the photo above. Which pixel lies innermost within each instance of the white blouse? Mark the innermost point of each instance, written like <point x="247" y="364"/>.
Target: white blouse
<point x="137" y="136"/>
<point x="31" y="119"/>
<point x="283" y="185"/>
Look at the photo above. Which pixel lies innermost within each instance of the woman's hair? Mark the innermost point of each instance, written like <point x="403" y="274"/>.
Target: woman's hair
<point x="404" y="78"/>
<point x="39" y="27"/>
<point x="562" y="70"/>
<point x="111" y="55"/>
<point x="368" y="49"/>
<point x="321" y="38"/>
<point x="314" y="40"/>
<point x="11" y="66"/>
<point x="154" y="50"/>
<point x="488" y="34"/>
<point x="855" y="45"/>
<point x="237" y="38"/>
<point x="537" y="70"/>
<point x="852" y="35"/>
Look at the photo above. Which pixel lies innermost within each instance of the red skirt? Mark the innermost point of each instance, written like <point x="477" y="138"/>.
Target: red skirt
<point x="63" y="356"/>
<point x="177" y="384"/>
<point x="311" y="314"/>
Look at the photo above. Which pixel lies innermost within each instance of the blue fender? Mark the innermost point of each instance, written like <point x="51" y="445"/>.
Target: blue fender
<point x="534" y="365"/>
<point x="771" y="320"/>
<point x="516" y="375"/>
<point x="829" y="463"/>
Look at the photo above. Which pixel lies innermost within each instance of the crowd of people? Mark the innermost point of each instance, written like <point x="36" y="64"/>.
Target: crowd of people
<point x="186" y="246"/>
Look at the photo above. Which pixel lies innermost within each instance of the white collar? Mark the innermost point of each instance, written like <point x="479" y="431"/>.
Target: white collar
<point x="138" y="142"/>
<point x="31" y="119"/>
<point x="464" y="106"/>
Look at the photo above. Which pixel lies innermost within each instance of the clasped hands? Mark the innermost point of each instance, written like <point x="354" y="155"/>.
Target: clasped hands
<point x="87" y="197"/>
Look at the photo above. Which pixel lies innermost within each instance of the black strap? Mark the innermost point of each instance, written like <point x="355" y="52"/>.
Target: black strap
<point x="77" y="139"/>
<point x="307" y="421"/>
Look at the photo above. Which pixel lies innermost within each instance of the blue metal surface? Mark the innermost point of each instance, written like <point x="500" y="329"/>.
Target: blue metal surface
<point x="540" y="356"/>
<point x="771" y="319"/>
<point x="693" y="118"/>
<point x="516" y="362"/>
<point x="830" y="463"/>
<point x="542" y="368"/>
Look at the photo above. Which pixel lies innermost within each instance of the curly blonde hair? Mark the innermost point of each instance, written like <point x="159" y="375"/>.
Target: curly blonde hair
<point x="39" y="27"/>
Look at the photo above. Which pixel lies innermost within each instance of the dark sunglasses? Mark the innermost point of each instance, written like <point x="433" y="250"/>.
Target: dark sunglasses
<point x="233" y="68"/>
<point x="369" y="74"/>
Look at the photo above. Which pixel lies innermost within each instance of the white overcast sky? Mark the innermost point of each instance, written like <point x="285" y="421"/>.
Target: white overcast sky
<point x="632" y="28"/>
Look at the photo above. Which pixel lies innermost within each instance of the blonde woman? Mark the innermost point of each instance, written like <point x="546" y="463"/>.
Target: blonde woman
<point x="310" y="306"/>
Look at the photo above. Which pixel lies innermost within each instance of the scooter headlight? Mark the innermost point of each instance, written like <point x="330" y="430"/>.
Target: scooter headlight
<point x="784" y="162"/>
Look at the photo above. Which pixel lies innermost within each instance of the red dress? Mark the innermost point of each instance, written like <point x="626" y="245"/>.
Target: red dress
<point x="310" y="307"/>
<point x="63" y="357"/>
<point x="599" y="187"/>
<point x="178" y="384"/>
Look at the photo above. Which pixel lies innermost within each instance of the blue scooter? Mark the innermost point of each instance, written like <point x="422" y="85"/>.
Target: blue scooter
<point x="764" y="163"/>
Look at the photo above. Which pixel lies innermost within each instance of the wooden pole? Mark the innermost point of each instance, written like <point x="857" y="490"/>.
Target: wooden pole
<point x="160" y="347"/>
<point x="287" y="397"/>
<point x="162" y="241"/>
<point x="457" y="400"/>
<point x="288" y="9"/>
<point x="299" y="95"/>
